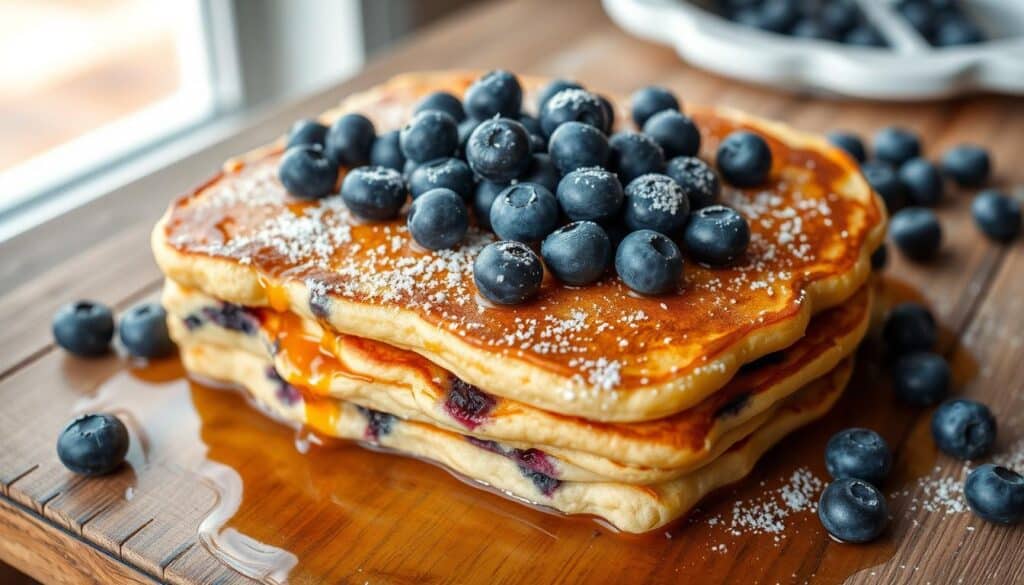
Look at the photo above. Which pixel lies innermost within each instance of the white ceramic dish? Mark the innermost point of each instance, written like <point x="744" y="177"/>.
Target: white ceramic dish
<point x="909" y="69"/>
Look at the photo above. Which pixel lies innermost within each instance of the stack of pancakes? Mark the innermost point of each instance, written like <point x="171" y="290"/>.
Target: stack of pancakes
<point x="589" y="400"/>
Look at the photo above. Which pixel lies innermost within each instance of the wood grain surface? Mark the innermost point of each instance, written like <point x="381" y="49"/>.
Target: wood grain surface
<point x="349" y="515"/>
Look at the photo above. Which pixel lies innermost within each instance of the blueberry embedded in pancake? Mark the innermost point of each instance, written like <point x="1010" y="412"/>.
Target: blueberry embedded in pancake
<point x="468" y="404"/>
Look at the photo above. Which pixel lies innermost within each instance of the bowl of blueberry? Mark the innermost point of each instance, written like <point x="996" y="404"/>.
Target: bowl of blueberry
<point x="894" y="50"/>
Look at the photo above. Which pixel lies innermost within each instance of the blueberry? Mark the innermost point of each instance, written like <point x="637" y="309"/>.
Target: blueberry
<point x="909" y="327"/>
<point x="387" y="151"/>
<point x="609" y="113"/>
<point x="779" y="15"/>
<point x="839" y="16"/>
<point x="572" y="105"/>
<point x="698" y="181"/>
<point x="374" y="193"/>
<point x="964" y="429"/>
<point x="967" y="164"/>
<point x="996" y="494"/>
<point x="537" y="144"/>
<point x="880" y="257"/>
<point x="442" y="101"/>
<point x="852" y="510"/>
<point x="143" y="331"/>
<point x="498" y="150"/>
<point x="864" y="35"/>
<point x="466" y="128"/>
<point x="590" y="193"/>
<point x="438" y="219"/>
<point x="849" y="142"/>
<point x="429" y="135"/>
<point x="634" y="154"/>
<point x="922" y="181"/>
<point x="552" y="88"/>
<point x="649" y="263"/>
<point x="917" y="232"/>
<point x="497" y="93"/>
<point x="525" y="212"/>
<point x="674" y="132"/>
<point x="507" y="272"/>
<point x="744" y="159"/>
<point x="650" y="100"/>
<point x="531" y="124"/>
<point x="956" y="31"/>
<point x="656" y="202"/>
<point x="921" y="378"/>
<point x="996" y="215"/>
<point x="896" y="145"/>
<point x="93" y="444"/>
<point x="716" y="235"/>
<point x="350" y="139"/>
<point x="575" y="145"/>
<point x="860" y="454"/>
<point x="84" y="328"/>
<point x="307" y="172"/>
<point x="541" y="171"/>
<point x="884" y="180"/>
<point x="447" y="173"/>
<point x="578" y="253"/>
<point x="919" y="14"/>
<point x="307" y="132"/>
<point x="483" y="198"/>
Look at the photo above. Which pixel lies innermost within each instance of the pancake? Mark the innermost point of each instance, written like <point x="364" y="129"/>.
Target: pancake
<point x="377" y="376"/>
<point x="597" y="352"/>
<point x="628" y="507"/>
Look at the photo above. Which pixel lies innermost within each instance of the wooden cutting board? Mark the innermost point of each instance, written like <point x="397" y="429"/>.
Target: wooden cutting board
<point x="214" y="489"/>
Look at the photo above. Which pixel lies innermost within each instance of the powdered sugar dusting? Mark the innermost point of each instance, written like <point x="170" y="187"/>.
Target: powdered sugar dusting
<point x="767" y="514"/>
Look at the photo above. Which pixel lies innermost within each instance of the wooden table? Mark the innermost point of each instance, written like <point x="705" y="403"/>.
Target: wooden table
<point x="352" y="516"/>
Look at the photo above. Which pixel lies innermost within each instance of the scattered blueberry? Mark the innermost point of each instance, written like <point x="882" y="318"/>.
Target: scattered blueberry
<point x="744" y="159"/>
<point x="143" y="331"/>
<point x="649" y="263"/>
<point x="880" y="257"/>
<point x="922" y="180"/>
<point x="650" y="100"/>
<point x="921" y="378"/>
<point x="93" y="444"/>
<point x="466" y="128"/>
<point x="698" y="180"/>
<point x="484" y="196"/>
<point x="852" y="510"/>
<point x="909" y="327"/>
<point x="507" y="272"/>
<point x="716" y="235"/>
<point x="350" y="139"/>
<point x="447" y="173"/>
<point x="84" y="328"/>
<point x="541" y="171"/>
<point x="387" y="151"/>
<point x="575" y="145"/>
<point x="656" y="202"/>
<point x="531" y="124"/>
<point x="307" y="132"/>
<point x="963" y="428"/>
<point x="674" y="132"/>
<point x="609" y="113"/>
<point x="572" y="105"/>
<point x="497" y="93"/>
<point x="996" y="215"/>
<point x="578" y="253"/>
<point x="444" y="102"/>
<point x="499" y="150"/>
<point x="896" y="145"/>
<point x="590" y="193"/>
<point x="634" y="154"/>
<point x="375" y="193"/>
<point x="552" y="88"/>
<point x="860" y="454"/>
<point x="917" y="232"/>
<point x="967" y="164"/>
<point x="438" y="219"/>
<point x="884" y="180"/>
<point x="996" y="494"/>
<point x="849" y="142"/>
<point x="525" y="212"/>
<point x="429" y="135"/>
<point x="307" y="172"/>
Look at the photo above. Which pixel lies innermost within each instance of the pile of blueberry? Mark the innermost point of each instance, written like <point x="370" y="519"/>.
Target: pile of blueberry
<point x="560" y="182"/>
<point x="852" y="508"/>
<point x="911" y="185"/>
<point x="942" y="23"/>
<point x="829" y="20"/>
